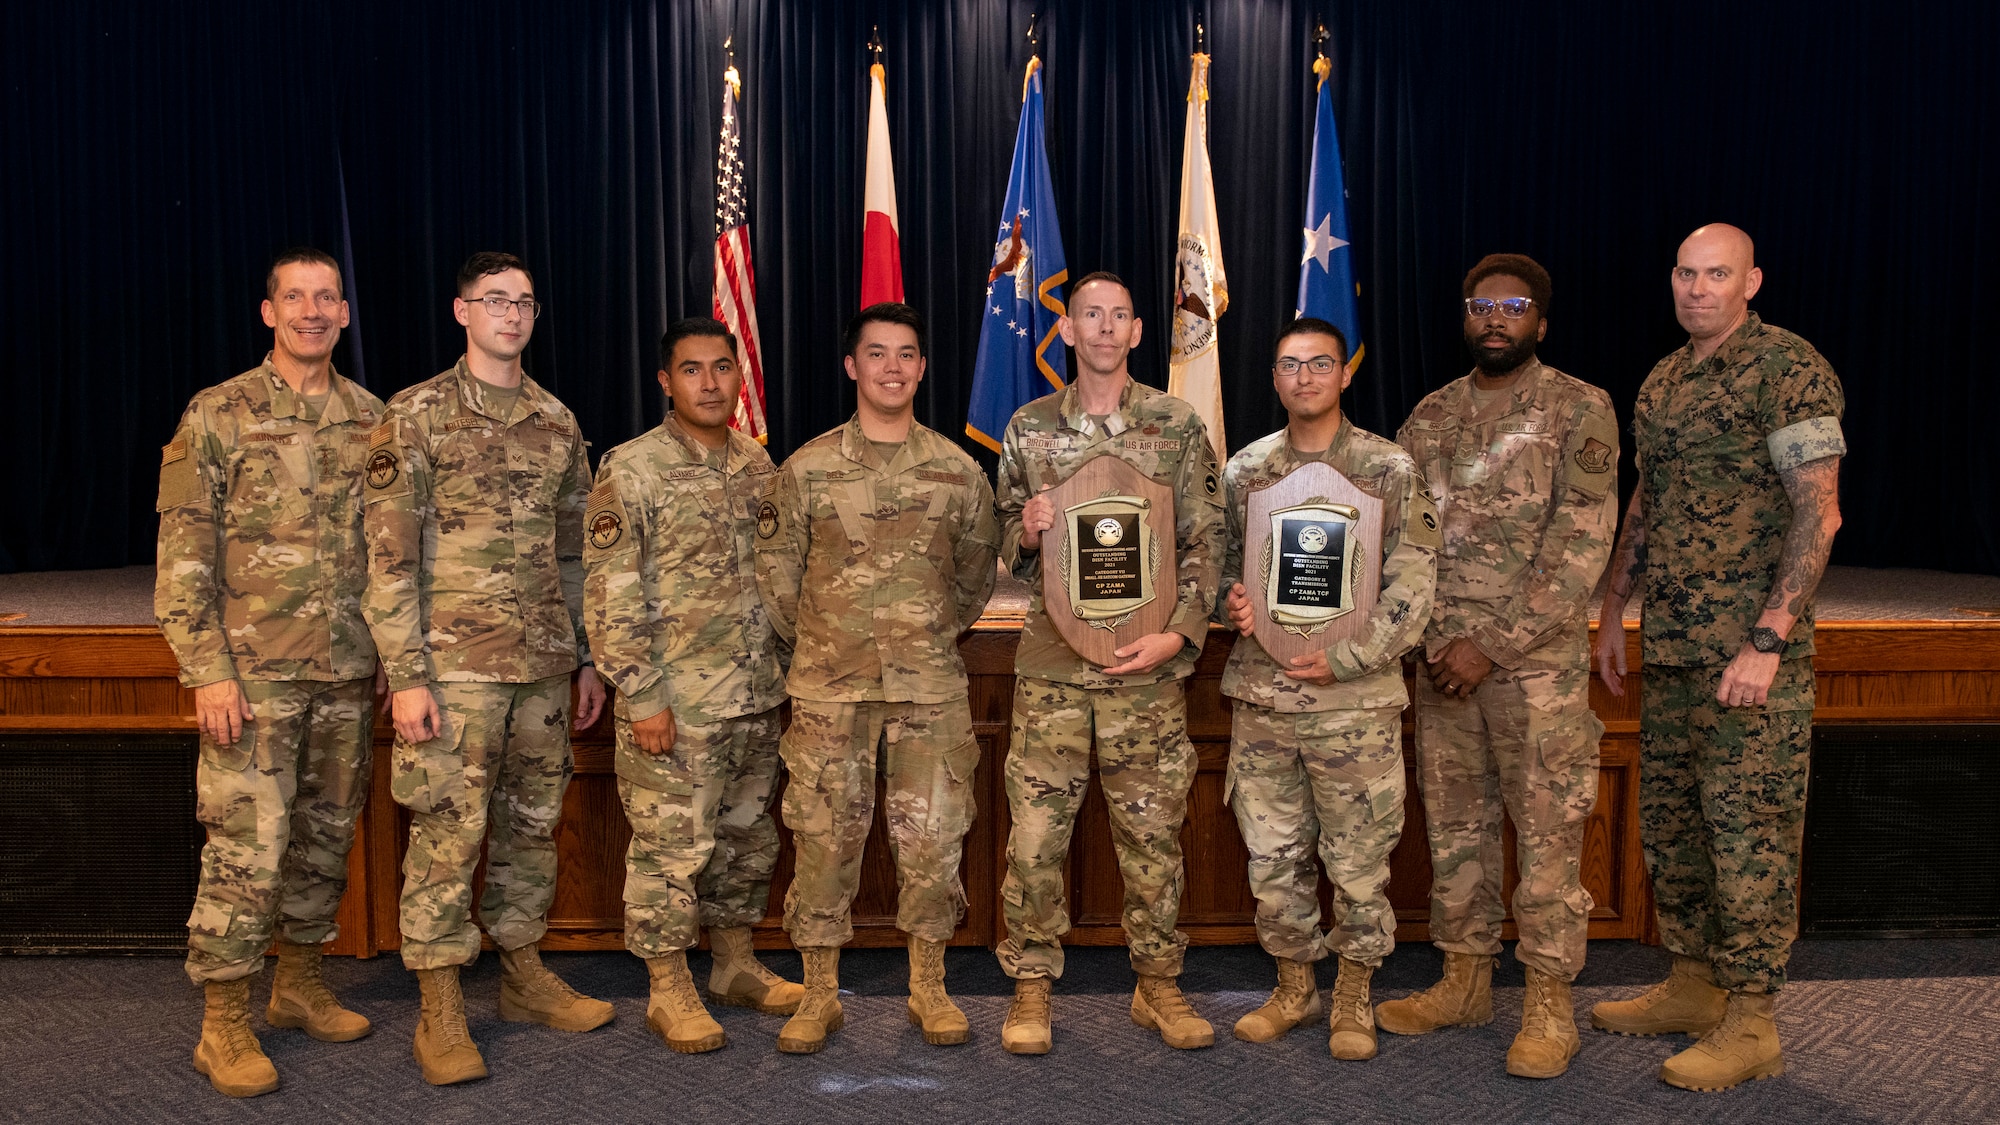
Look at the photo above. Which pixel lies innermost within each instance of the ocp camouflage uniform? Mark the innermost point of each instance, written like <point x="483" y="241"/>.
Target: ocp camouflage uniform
<point x="676" y="624"/>
<point x="1322" y="767"/>
<point x="1722" y="789"/>
<point x="1145" y="762"/>
<point x="872" y="571"/>
<point x="1526" y="486"/>
<point x="261" y="567"/>
<point x="475" y="540"/>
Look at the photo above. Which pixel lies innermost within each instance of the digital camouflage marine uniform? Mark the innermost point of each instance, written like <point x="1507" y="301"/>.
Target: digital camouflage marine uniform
<point x="872" y="570"/>
<point x="1526" y="486"/>
<point x="1722" y="791"/>
<point x="261" y="570"/>
<point x="475" y="537"/>
<point x="676" y="624"/>
<point x="1145" y="762"/>
<point x="1321" y="768"/>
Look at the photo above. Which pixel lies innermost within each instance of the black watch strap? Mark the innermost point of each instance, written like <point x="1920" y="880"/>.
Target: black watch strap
<point x="1766" y="640"/>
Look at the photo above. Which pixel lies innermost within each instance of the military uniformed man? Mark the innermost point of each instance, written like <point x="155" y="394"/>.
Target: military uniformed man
<point x="875" y="551"/>
<point x="1316" y="744"/>
<point x="676" y="624"/>
<point x="1739" y="445"/>
<point x="476" y="488"/>
<point x="1524" y="462"/>
<point x="1134" y="709"/>
<point x="261" y="566"/>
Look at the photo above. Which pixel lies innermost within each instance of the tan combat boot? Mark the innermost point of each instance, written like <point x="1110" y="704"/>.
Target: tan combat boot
<point x="1352" y="1021"/>
<point x="1026" y="1031"/>
<point x="300" y="998"/>
<point x="930" y="1008"/>
<point x="530" y="993"/>
<point x="1293" y="1002"/>
<point x="443" y="1047"/>
<point x="1687" y="1000"/>
<point x="1548" y="1038"/>
<point x="229" y="1052"/>
<point x="1742" y="1048"/>
<point x="674" y="1009"/>
<point x="819" y="1014"/>
<point x="1463" y="997"/>
<point x="738" y="979"/>
<point x="1158" y="1004"/>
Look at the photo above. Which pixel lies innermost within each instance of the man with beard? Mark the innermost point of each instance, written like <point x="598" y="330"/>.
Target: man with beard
<point x="1523" y="461"/>
<point x="1739" y="446"/>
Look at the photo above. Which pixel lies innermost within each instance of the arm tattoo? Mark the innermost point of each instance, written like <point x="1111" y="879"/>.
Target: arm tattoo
<point x="1630" y="557"/>
<point x="1814" y="488"/>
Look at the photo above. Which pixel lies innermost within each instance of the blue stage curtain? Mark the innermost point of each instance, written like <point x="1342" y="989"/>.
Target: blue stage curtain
<point x="157" y="156"/>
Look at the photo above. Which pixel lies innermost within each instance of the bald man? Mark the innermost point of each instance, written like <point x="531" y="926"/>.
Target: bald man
<point x="1738" y="443"/>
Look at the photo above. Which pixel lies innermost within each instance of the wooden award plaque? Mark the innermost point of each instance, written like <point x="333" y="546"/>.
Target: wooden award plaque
<point x="1312" y="560"/>
<point x="1108" y="574"/>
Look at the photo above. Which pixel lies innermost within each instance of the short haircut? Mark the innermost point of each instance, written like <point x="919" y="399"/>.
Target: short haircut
<point x="1309" y="326"/>
<point x="302" y="256"/>
<point x="694" y="326"/>
<point x="486" y="263"/>
<point x="1521" y="268"/>
<point x="1101" y="275"/>
<point x="887" y="312"/>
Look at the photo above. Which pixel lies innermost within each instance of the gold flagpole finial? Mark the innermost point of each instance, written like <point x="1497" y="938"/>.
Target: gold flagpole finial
<point x="875" y="42"/>
<point x="729" y="73"/>
<point x="1034" y="33"/>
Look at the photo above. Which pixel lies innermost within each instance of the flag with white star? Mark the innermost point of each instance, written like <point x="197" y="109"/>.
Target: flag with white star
<point x="1020" y="356"/>
<point x="1327" y="288"/>
<point x="734" y="297"/>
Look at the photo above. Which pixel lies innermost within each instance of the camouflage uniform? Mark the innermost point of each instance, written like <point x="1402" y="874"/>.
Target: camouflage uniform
<point x="260" y="575"/>
<point x="475" y="540"/>
<point x="1722" y="789"/>
<point x="670" y="599"/>
<point x="1312" y="765"/>
<point x="872" y="571"/>
<point x="1145" y="761"/>
<point x="1526" y="487"/>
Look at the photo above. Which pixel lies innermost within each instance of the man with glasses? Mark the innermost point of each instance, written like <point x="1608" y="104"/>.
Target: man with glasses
<point x="676" y="624"/>
<point x="1739" y="446"/>
<point x="1133" y="711"/>
<point x="261" y="566"/>
<point x="476" y="491"/>
<point x="1523" y="460"/>
<point x="1316" y="743"/>
<point x="875" y="551"/>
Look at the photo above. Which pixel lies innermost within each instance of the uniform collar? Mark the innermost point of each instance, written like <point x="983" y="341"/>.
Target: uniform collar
<point x="341" y="405"/>
<point x="1074" y="417"/>
<point x="1517" y="396"/>
<point x="472" y="392"/>
<point x="734" y="455"/>
<point x="1286" y="458"/>
<point x="855" y="446"/>
<point x="1733" y="350"/>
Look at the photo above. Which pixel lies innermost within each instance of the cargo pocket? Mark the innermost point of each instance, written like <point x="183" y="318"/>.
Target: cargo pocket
<point x="1571" y="743"/>
<point x="806" y="807"/>
<point x="428" y="776"/>
<point x="210" y="918"/>
<point x="1385" y="796"/>
<point x="230" y="759"/>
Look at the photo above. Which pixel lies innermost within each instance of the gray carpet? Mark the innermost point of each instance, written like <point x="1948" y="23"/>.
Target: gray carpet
<point x="1875" y="1031"/>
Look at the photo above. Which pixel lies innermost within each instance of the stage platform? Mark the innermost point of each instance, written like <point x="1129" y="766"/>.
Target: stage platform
<point x="85" y="678"/>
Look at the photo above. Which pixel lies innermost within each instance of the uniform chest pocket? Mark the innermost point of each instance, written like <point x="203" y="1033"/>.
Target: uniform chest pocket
<point x="267" y="480"/>
<point x="536" y="457"/>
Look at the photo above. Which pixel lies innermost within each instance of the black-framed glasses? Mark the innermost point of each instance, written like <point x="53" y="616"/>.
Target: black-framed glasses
<point x="1513" y="308"/>
<point x="497" y="306"/>
<point x="1318" y="365"/>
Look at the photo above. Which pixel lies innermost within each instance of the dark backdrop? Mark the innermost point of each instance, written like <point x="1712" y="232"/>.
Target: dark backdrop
<point x="156" y="156"/>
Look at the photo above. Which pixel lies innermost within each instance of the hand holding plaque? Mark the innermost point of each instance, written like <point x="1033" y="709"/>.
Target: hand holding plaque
<point x="1108" y="571"/>
<point x="1312" y="560"/>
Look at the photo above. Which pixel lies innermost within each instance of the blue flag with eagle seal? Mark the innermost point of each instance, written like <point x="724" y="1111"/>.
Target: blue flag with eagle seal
<point x="1020" y="357"/>
<point x="1326" y="270"/>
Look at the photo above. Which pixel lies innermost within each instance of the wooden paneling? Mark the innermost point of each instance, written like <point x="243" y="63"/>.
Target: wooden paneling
<point x="122" y="679"/>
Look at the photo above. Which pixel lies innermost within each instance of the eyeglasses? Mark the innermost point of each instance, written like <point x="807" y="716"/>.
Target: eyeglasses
<point x="1513" y="308"/>
<point x="497" y="306"/>
<point x="1318" y="365"/>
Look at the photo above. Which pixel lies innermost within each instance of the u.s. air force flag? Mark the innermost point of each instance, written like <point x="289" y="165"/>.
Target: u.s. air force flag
<point x="1326" y="271"/>
<point x="1020" y="358"/>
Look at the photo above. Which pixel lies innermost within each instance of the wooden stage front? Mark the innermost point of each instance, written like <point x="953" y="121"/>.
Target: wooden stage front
<point x="1886" y="655"/>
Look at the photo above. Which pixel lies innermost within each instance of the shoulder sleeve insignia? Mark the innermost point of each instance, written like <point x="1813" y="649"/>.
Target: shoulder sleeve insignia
<point x="383" y="469"/>
<point x="1594" y="457"/>
<point x="1210" y="485"/>
<point x="767" y="520"/>
<point x="383" y="434"/>
<point x="1421" y="526"/>
<point x="174" y="450"/>
<point x="606" y="528"/>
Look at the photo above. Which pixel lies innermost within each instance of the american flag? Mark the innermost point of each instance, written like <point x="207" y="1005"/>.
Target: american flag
<point x="735" y="298"/>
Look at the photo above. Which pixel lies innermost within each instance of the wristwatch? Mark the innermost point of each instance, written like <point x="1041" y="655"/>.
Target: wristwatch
<point x="1766" y="640"/>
